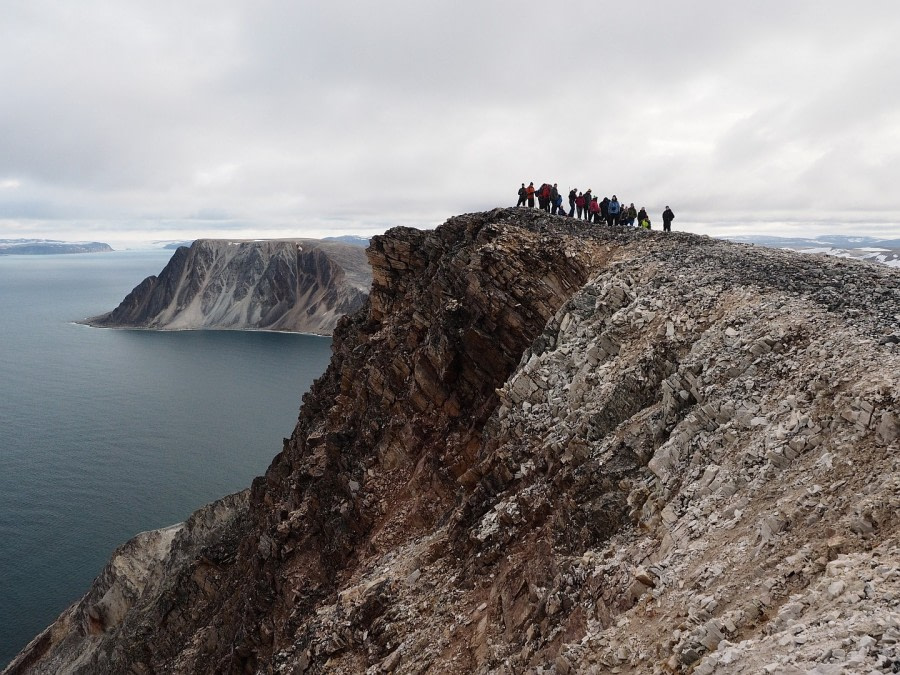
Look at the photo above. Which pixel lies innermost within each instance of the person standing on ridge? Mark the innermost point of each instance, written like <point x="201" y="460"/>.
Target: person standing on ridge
<point x="579" y="204"/>
<point x="612" y="211"/>
<point x="594" y="207"/>
<point x="587" y="205"/>
<point x="573" y="196"/>
<point x="522" y="194"/>
<point x="604" y="209"/>
<point x="667" y="217"/>
<point x="643" y="218"/>
<point x="630" y="214"/>
<point x="529" y="192"/>
<point x="554" y="193"/>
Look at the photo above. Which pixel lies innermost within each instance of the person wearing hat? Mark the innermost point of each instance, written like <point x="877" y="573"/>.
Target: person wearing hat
<point x="667" y="217"/>
<point x="522" y="193"/>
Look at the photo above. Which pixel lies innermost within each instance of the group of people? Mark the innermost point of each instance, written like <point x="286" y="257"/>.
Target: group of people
<point x="585" y="205"/>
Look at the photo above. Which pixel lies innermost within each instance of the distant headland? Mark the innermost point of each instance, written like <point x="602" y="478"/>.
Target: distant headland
<point x="298" y="285"/>
<point x="50" y="247"/>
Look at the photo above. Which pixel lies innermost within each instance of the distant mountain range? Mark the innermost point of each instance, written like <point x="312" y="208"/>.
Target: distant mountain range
<point x="872" y="249"/>
<point x="50" y="247"/>
<point x="352" y="239"/>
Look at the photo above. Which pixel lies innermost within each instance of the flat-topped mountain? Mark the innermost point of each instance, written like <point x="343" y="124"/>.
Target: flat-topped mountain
<point x="50" y="247"/>
<point x="302" y="285"/>
<point x="547" y="447"/>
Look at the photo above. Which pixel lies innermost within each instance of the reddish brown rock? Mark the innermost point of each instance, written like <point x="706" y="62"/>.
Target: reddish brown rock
<point x="545" y="446"/>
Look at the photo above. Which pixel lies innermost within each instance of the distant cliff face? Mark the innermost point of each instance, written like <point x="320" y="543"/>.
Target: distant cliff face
<point x="298" y="285"/>
<point x="546" y="448"/>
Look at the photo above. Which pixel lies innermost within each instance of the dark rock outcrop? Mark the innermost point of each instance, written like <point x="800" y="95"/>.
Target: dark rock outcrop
<point x="301" y="285"/>
<point x="540" y="446"/>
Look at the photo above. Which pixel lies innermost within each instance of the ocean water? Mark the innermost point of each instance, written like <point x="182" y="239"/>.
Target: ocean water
<point x="107" y="433"/>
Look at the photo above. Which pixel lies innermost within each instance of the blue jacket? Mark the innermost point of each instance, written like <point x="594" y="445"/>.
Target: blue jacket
<point x="613" y="207"/>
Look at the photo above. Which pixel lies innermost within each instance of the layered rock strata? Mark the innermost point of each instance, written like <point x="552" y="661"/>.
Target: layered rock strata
<point x="301" y="285"/>
<point x="543" y="448"/>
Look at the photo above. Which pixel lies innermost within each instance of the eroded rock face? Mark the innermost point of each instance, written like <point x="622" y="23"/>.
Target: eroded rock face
<point x="135" y="591"/>
<point x="540" y="448"/>
<point x="301" y="285"/>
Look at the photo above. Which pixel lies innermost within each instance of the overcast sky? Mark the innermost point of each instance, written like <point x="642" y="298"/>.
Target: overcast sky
<point x="161" y="119"/>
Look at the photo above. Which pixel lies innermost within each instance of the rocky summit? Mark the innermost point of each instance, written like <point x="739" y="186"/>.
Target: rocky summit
<point x="301" y="285"/>
<point x="543" y="447"/>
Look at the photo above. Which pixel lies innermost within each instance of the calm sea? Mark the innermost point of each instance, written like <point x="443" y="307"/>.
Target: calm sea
<point x="107" y="433"/>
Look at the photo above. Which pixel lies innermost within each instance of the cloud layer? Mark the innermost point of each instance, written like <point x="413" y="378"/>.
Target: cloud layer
<point x="173" y="119"/>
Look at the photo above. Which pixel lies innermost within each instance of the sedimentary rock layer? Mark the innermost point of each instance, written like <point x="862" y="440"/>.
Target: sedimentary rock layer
<point x="301" y="285"/>
<point x="547" y="448"/>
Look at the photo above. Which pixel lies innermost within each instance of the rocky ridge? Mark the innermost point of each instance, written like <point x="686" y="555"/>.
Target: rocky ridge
<point x="545" y="449"/>
<point x="301" y="285"/>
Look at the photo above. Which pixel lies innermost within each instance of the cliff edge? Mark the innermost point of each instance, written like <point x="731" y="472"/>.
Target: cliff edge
<point x="546" y="448"/>
<point x="301" y="285"/>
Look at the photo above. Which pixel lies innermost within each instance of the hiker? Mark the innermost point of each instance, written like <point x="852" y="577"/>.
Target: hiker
<point x="545" y="197"/>
<point x="587" y="205"/>
<point x="612" y="211"/>
<point x="644" y="219"/>
<point x="667" y="217"/>
<point x="557" y="205"/>
<point x="579" y="204"/>
<point x="522" y="194"/>
<point x="630" y="214"/>
<point x="604" y="208"/>
<point x="529" y="192"/>
<point x="573" y="195"/>
<point x="594" y="207"/>
<point x="554" y="193"/>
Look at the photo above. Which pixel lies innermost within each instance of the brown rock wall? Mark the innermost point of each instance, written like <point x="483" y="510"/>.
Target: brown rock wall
<point x="540" y="446"/>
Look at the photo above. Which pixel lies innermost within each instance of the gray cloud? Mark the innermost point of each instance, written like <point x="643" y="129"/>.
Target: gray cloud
<point x="205" y="116"/>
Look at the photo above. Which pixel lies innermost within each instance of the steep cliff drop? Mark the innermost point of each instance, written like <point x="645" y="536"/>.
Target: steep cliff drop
<point x="546" y="448"/>
<point x="302" y="285"/>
